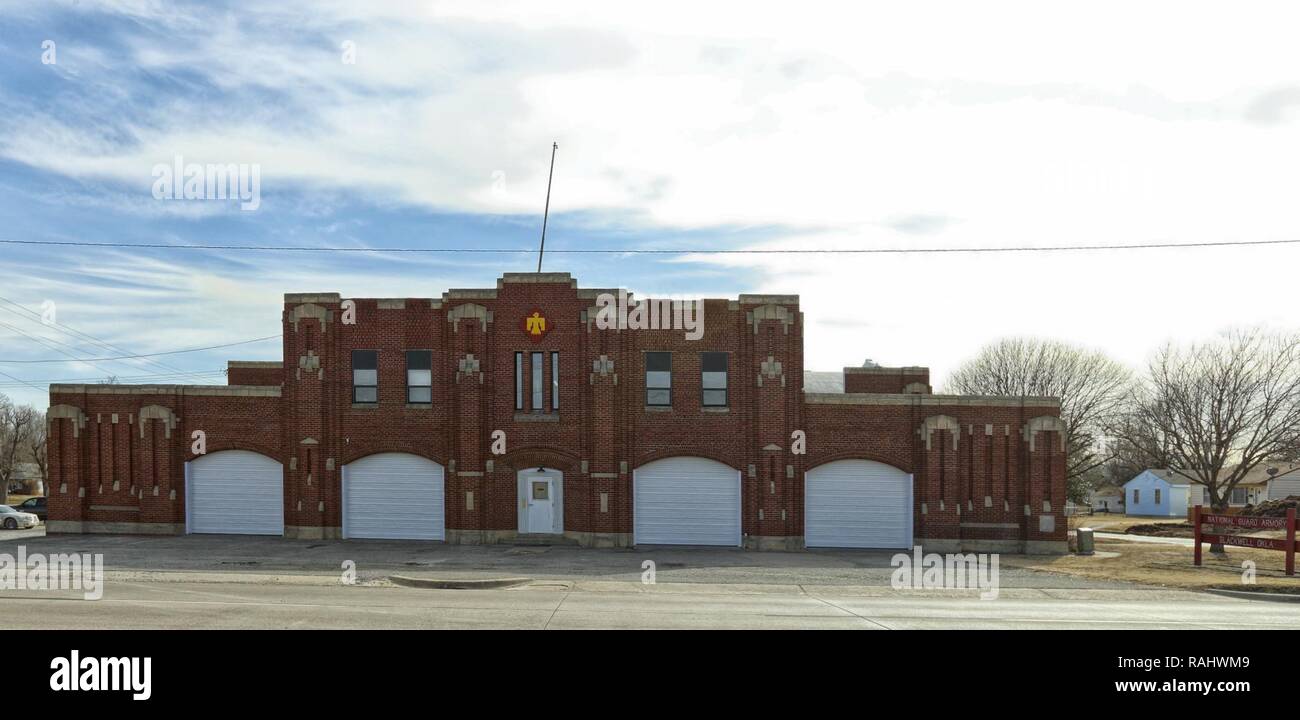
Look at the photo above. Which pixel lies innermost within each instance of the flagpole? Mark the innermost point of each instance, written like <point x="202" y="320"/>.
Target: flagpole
<point x="547" y="211"/>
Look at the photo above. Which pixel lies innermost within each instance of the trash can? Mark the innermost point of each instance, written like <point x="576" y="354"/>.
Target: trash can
<point x="1083" y="539"/>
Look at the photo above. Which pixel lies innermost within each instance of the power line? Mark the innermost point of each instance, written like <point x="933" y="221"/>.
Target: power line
<point x="130" y="357"/>
<point x="73" y="332"/>
<point x="679" y="251"/>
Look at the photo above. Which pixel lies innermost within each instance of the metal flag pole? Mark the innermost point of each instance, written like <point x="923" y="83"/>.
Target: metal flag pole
<point x="547" y="211"/>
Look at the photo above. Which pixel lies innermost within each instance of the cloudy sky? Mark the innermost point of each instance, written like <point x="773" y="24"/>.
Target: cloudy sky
<point x="681" y="126"/>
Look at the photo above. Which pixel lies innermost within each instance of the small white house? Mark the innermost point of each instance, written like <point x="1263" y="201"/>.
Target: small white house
<point x="1107" y="498"/>
<point x="1155" y="492"/>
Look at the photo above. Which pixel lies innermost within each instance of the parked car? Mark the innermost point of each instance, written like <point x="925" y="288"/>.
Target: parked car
<point x="35" y="506"/>
<point x="11" y="519"/>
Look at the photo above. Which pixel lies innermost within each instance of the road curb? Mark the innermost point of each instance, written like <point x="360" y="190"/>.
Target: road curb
<point x="459" y="584"/>
<point x="1248" y="595"/>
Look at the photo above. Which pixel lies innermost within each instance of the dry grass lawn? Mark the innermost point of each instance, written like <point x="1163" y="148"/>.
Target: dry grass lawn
<point x="1169" y="566"/>
<point x="1116" y="522"/>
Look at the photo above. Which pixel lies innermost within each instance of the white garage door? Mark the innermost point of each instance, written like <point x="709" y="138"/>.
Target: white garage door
<point x="396" y="496"/>
<point x="235" y="492"/>
<point x="858" y="504"/>
<point x="686" y="501"/>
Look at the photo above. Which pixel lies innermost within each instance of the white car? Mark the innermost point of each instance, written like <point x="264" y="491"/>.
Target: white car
<point x="11" y="519"/>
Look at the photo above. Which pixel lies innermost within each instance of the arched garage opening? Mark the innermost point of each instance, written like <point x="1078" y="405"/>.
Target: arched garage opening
<point x="686" y="501"/>
<point x="234" y="492"/>
<point x="394" y="496"/>
<point x="857" y="504"/>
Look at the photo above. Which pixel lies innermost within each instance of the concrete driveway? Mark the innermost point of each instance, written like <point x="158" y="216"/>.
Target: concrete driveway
<point x="377" y="559"/>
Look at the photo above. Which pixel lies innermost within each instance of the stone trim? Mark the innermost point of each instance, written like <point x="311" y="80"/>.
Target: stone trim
<point x="535" y="277"/>
<point x="537" y="417"/>
<point x="769" y="299"/>
<point x="311" y="298"/>
<point x="313" y="532"/>
<point x="1044" y="423"/>
<point x="600" y="539"/>
<point x="255" y="364"/>
<point x="205" y="390"/>
<point x="939" y="422"/>
<point x="774" y="543"/>
<point x="927" y="400"/>
<point x="391" y="303"/>
<point x="113" y="528"/>
<point x="908" y="370"/>
<point x="71" y="412"/>
<point x="469" y="310"/>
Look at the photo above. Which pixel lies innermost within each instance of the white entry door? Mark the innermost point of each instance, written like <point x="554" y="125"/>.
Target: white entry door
<point x="540" y="501"/>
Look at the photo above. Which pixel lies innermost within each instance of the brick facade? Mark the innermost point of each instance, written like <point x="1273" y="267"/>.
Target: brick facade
<point x="989" y="473"/>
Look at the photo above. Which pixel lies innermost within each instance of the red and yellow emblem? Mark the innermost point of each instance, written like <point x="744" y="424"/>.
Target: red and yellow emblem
<point x="535" y="325"/>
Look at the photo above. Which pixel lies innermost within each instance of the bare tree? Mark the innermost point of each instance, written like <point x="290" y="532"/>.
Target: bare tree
<point x="1092" y="389"/>
<point x="1215" y="411"/>
<point x="15" y="426"/>
<point x="37" y="448"/>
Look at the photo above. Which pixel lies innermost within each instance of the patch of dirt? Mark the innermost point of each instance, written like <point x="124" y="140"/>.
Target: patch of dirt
<point x="1272" y="508"/>
<point x="1276" y="589"/>
<point x="1183" y="530"/>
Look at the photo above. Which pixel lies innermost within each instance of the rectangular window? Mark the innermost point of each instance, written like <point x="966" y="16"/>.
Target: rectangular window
<point x="537" y="382"/>
<point x="419" y="377"/>
<point x="519" y="381"/>
<point x="555" y="381"/>
<point x="1137" y="496"/>
<point x="1157" y="496"/>
<point x="1238" y="497"/>
<point x="659" y="379"/>
<point x="713" y="379"/>
<point x="365" y="376"/>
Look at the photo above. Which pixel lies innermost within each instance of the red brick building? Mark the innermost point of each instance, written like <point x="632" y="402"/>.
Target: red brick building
<point x="459" y="419"/>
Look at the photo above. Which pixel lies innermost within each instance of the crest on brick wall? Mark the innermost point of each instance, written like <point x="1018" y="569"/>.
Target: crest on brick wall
<point x="535" y="324"/>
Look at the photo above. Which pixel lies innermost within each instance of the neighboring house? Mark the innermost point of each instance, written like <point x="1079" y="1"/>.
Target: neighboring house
<point x="26" y="480"/>
<point x="1286" y="484"/>
<point x="1160" y="491"/>
<point x="1156" y="492"/>
<point x="1251" y="490"/>
<point x="1107" y="498"/>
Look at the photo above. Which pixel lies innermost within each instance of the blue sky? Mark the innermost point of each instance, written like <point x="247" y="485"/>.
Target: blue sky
<point x="686" y="128"/>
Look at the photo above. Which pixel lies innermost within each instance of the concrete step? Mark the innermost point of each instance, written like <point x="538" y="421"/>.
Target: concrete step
<point x="535" y="539"/>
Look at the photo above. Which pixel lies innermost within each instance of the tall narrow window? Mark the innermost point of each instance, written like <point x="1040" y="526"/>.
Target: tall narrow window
<point x="538" y="383"/>
<point x="419" y="377"/>
<point x="365" y="376"/>
<point x="555" y="381"/>
<point x="713" y="379"/>
<point x="659" y="379"/>
<point x="1137" y="495"/>
<point x="519" y="381"/>
<point x="1157" y="496"/>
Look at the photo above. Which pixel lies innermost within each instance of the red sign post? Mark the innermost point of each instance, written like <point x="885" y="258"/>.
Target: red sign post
<point x="1249" y="523"/>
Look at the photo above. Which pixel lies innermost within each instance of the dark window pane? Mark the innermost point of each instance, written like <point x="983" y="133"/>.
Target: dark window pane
<point x="365" y="359"/>
<point x="715" y="398"/>
<point x="366" y="395"/>
<point x="658" y="397"/>
<point x="519" y="381"/>
<point x="419" y="360"/>
<point x="713" y="362"/>
<point x="658" y="361"/>
<point x="419" y="395"/>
